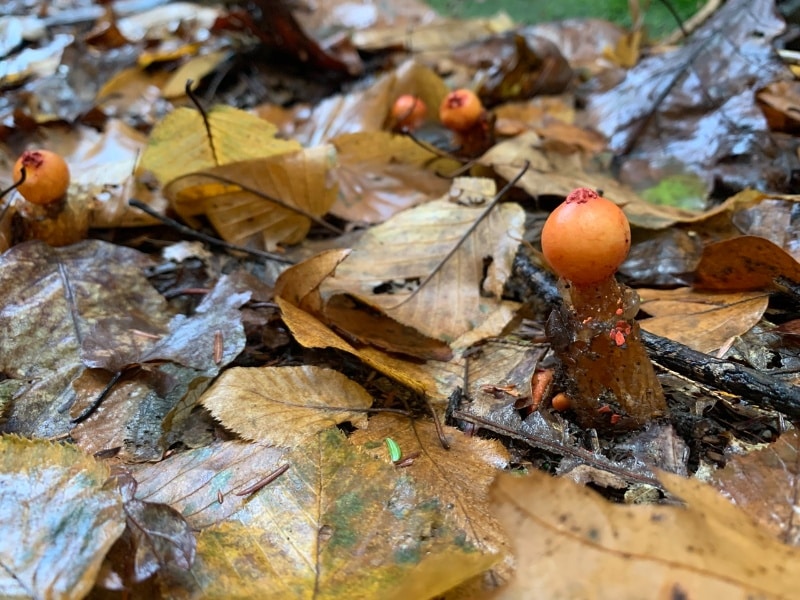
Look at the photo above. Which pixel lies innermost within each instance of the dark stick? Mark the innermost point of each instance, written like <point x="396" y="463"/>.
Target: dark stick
<point x="207" y="238"/>
<point x="757" y="388"/>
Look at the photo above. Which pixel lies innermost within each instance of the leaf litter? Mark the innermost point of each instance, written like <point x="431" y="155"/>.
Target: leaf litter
<point x="279" y="465"/>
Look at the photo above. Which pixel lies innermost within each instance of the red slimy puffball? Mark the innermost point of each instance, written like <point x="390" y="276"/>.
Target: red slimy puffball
<point x="586" y="238"/>
<point x="460" y="110"/>
<point x="409" y="112"/>
<point x="46" y="176"/>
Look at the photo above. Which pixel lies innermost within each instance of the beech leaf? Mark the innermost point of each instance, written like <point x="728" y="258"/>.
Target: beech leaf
<point x="706" y="549"/>
<point x="338" y="523"/>
<point x="284" y="405"/>
<point x="180" y="144"/>
<point x="409" y="246"/>
<point x="57" y="521"/>
<point x="260" y="202"/>
<point x="702" y="321"/>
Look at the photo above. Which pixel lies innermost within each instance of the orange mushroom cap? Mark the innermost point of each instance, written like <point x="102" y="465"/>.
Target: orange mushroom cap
<point x="586" y="238"/>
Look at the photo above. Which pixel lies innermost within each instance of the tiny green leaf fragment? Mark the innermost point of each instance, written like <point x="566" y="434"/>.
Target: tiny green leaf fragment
<point x="394" y="449"/>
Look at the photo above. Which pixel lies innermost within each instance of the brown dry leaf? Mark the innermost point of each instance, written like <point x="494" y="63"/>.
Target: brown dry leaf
<point x="780" y="101"/>
<point x="380" y="174"/>
<point x="434" y="378"/>
<point x="764" y="484"/>
<point x="282" y="406"/>
<point x="338" y="523"/>
<point x="56" y="518"/>
<point x="261" y="202"/>
<point x="707" y="549"/>
<point x="701" y="320"/>
<point x="180" y="144"/>
<point x="550" y="174"/>
<point x="297" y="294"/>
<point x="408" y="247"/>
<point x="744" y="263"/>
<point x="193" y="482"/>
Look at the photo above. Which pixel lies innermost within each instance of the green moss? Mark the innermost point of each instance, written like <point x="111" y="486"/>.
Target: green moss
<point x="658" y="19"/>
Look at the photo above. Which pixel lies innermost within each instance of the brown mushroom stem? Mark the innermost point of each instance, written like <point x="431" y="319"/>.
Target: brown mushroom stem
<point x="60" y="223"/>
<point x="605" y="368"/>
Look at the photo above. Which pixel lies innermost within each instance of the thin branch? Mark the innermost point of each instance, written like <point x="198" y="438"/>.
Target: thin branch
<point x="196" y="101"/>
<point x="212" y="241"/>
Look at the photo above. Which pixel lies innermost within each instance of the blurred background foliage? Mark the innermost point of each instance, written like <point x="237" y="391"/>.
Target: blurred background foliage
<point x="658" y="18"/>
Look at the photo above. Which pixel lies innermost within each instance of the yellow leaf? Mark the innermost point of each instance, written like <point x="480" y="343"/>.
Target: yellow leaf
<point x="284" y="405"/>
<point x="180" y="144"/>
<point x="338" y="523"/>
<point x="260" y="202"/>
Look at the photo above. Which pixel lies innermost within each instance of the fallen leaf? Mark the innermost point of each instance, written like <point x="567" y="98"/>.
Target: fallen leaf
<point x="764" y="484"/>
<point x="337" y="523"/>
<point x="156" y="537"/>
<point x="407" y="248"/>
<point x="57" y="521"/>
<point x="282" y="406"/>
<point x="461" y="474"/>
<point x="701" y="320"/>
<point x="714" y="130"/>
<point x="380" y="174"/>
<point x="706" y="549"/>
<point x="549" y="174"/>
<point x="180" y="144"/>
<point x="260" y="202"/>
<point x="744" y="263"/>
<point x="193" y="482"/>
<point x="59" y="294"/>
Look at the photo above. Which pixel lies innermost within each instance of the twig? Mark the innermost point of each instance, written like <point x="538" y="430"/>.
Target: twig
<point x="757" y="388"/>
<point x="693" y="23"/>
<point x="180" y="227"/>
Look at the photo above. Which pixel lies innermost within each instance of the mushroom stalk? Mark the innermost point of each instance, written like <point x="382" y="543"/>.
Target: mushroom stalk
<point x="605" y="369"/>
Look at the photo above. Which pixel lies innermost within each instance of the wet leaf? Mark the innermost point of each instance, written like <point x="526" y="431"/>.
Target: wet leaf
<point x="711" y="83"/>
<point x="550" y="173"/>
<point x="702" y="321"/>
<point x="59" y="295"/>
<point x="180" y="144"/>
<point x="56" y="520"/>
<point x="263" y="202"/>
<point x="368" y="110"/>
<point x="139" y="409"/>
<point x="193" y="482"/>
<point x="380" y="174"/>
<point x="744" y="263"/>
<point x="460" y="296"/>
<point x="338" y="523"/>
<point x="764" y="484"/>
<point x="709" y="548"/>
<point x="461" y="474"/>
<point x="282" y="406"/>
